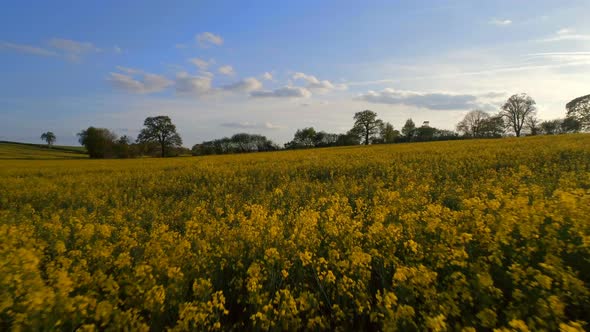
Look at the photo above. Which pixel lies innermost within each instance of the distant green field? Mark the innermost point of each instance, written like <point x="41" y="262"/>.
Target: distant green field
<point x="14" y="150"/>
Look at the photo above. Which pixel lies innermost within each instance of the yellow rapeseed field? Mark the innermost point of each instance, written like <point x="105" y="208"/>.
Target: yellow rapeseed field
<point x="470" y="235"/>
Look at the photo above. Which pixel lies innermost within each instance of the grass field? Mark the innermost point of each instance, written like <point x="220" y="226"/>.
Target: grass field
<point x="14" y="150"/>
<point x="463" y="235"/>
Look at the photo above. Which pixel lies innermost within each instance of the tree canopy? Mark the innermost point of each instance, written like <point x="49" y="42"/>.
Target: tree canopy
<point x="48" y="137"/>
<point x="473" y="123"/>
<point x="98" y="142"/>
<point x="579" y="109"/>
<point x="367" y="124"/>
<point x="161" y="130"/>
<point x="516" y="110"/>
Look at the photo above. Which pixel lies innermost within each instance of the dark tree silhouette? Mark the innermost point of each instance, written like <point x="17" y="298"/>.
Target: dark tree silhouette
<point x="473" y="123"/>
<point x="408" y="128"/>
<point x="387" y="133"/>
<point x="367" y="124"/>
<point x="516" y="110"/>
<point x="305" y="138"/>
<point x="579" y="109"/>
<point x="161" y="130"/>
<point x="48" y="137"/>
<point x="98" y="142"/>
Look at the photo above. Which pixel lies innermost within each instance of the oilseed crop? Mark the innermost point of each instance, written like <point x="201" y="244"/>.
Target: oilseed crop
<point x="458" y="236"/>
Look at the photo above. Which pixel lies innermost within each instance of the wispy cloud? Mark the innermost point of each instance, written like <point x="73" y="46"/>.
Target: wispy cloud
<point x="249" y="125"/>
<point x="142" y="83"/>
<point x="58" y="47"/>
<point x="72" y="49"/>
<point x="207" y="39"/>
<point x="247" y="85"/>
<point x="563" y="57"/>
<point x="565" y="34"/>
<point x="201" y="64"/>
<point x="316" y="85"/>
<point x="432" y="101"/>
<point x="28" y="49"/>
<point x="201" y="85"/>
<point x="500" y="22"/>
<point x="284" y="92"/>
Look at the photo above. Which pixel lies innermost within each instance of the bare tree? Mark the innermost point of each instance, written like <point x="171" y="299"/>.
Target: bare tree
<point x="473" y="123"/>
<point x="532" y="124"/>
<point x="516" y="110"/>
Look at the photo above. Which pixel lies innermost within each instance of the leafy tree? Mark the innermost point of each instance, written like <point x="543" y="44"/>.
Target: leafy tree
<point x="161" y="130"/>
<point x="579" y="109"/>
<point x="571" y="125"/>
<point x="48" y="137"/>
<point x="424" y="133"/>
<point x="472" y="124"/>
<point x="123" y="147"/>
<point x="238" y="143"/>
<point x="304" y="138"/>
<point x="99" y="142"/>
<point x="492" y="127"/>
<point x="352" y="137"/>
<point x="367" y="124"/>
<point x="516" y="110"/>
<point x="323" y="139"/>
<point x="408" y="128"/>
<point x="387" y="133"/>
<point x="551" y="127"/>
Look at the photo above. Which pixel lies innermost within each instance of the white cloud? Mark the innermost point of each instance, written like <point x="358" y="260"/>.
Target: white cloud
<point x="117" y="49"/>
<point x="561" y="58"/>
<point x="147" y="83"/>
<point x="201" y="64"/>
<point x="192" y="85"/>
<point x="27" y="49"/>
<point x="227" y="70"/>
<point x="207" y="39"/>
<point x="267" y="76"/>
<point x="565" y="31"/>
<point x="202" y="85"/>
<point x="250" y="125"/>
<point x="314" y="84"/>
<point x="247" y="85"/>
<point x="565" y="34"/>
<point x="432" y="101"/>
<point x="72" y="49"/>
<point x="500" y="22"/>
<point x="284" y="92"/>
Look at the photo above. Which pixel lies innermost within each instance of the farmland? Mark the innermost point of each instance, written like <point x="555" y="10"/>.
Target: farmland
<point x="13" y="150"/>
<point x="472" y="235"/>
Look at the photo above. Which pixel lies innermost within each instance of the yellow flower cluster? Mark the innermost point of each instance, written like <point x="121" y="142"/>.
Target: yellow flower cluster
<point x="470" y="235"/>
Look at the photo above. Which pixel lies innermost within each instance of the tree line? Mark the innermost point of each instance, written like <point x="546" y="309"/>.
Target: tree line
<point x="517" y="116"/>
<point x="158" y="138"/>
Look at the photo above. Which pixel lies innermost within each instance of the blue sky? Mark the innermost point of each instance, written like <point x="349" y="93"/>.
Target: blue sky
<point x="270" y="67"/>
